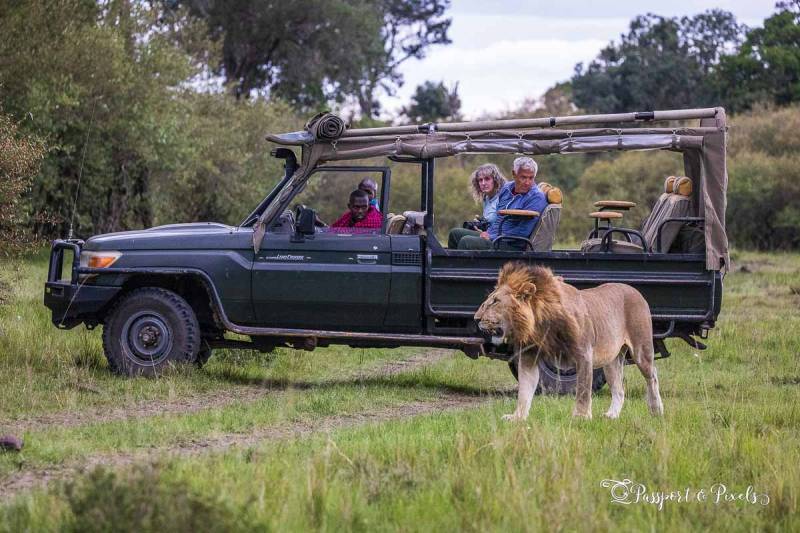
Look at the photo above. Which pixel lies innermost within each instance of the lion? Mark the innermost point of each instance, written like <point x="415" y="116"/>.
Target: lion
<point x="542" y="316"/>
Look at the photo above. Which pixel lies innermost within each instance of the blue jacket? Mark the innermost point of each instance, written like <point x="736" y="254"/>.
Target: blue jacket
<point x="533" y="200"/>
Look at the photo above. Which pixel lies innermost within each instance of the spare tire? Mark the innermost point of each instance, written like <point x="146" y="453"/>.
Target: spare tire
<point x="553" y="380"/>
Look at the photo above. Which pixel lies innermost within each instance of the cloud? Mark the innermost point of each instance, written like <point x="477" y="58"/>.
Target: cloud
<point x="501" y="74"/>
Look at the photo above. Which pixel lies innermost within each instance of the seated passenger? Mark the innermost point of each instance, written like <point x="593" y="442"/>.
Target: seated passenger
<point x="359" y="214"/>
<point x="521" y="193"/>
<point x="485" y="184"/>
<point x="369" y="186"/>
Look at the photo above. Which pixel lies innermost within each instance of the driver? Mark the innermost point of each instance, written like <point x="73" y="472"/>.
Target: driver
<point x="522" y="193"/>
<point x="359" y="214"/>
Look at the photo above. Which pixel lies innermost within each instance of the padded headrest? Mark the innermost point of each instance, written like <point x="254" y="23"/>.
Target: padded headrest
<point x="554" y="195"/>
<point x="683" y="186"/>
<point x="669" y="184"/>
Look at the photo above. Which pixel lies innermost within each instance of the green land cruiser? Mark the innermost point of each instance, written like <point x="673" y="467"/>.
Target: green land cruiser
<point x="171" y="294"/>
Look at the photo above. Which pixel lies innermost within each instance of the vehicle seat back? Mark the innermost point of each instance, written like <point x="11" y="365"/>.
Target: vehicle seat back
<point x="544" y="233"/>
<point x="394" y="224"/>
<point x="677" y="204"/>
<point x="415" y="223"/>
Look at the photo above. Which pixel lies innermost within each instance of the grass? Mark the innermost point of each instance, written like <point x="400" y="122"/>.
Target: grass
<point x="732" y="418"/>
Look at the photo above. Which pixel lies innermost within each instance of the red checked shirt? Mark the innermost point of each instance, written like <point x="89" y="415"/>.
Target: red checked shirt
<point x="373" y="220"/>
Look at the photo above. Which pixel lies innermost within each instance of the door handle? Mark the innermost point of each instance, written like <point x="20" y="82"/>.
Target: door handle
<point x="366" y="259"/>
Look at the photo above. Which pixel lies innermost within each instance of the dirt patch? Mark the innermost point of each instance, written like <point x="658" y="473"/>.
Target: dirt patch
<point x="30" y="479"/>
<point x="211" y="400"/>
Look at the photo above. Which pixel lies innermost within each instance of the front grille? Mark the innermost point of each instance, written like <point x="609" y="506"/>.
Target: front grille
<point x="407" y="258"/>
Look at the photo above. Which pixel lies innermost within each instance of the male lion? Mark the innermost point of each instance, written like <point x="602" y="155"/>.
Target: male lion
<point x="541" y="316"/>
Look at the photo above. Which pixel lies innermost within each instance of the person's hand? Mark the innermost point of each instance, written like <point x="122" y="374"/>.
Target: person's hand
<point x="485" y="235"/>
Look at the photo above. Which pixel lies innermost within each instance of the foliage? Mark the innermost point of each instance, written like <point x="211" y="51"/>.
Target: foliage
<point x="433" y="101"/>
<point x="317" y="51"/>
<point x="222" y="166"/>
<point x="105" y="501"/>
<point x="20" y="157"/>
<point x="767" y="66"/>
<point x="409" y="28"/>
<point x="661" y="63"/>
<point x="102" y="97"/>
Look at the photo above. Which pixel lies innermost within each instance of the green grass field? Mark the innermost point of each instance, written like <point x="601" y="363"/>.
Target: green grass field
<point x="406" y="439"/>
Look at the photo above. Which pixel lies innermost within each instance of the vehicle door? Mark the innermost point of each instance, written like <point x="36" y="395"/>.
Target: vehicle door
<point x="335" y="280"/>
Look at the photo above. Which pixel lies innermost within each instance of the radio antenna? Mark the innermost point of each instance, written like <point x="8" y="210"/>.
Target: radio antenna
<point x="80" y="173"/>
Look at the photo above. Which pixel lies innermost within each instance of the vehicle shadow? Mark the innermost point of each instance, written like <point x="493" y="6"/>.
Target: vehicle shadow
<point x="390" y="381"/>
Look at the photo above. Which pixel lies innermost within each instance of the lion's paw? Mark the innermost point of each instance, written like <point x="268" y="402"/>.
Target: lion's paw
<point x="587" y="416"/>
<point x="611" y="414"/>
<point x="511" y="418"/>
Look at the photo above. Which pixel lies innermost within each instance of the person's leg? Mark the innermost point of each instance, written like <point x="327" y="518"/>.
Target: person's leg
<point x="456" y="235"/>
<point x="470" y="242"/>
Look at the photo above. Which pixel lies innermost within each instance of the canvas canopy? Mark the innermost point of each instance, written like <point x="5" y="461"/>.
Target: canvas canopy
<point x="325" y="138"/>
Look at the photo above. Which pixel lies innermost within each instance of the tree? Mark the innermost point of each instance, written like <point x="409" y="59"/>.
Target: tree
<point x="81" y="76"/>
<point x="20" y="157"/>
<point x="409" y="28"/>
<point x="313" y="52"/>
<point x="432" y="102"/>
<point x="767" y="67"/>
<point x="660" y="63"/>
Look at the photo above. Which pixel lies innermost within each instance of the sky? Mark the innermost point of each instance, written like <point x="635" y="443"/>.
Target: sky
<point x="507" y="50"/>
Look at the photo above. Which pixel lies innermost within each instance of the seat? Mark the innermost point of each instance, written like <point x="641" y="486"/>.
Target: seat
<point x="658" y="230"/>
<point x="394" y="224"/>
<point x="544" y="233"/>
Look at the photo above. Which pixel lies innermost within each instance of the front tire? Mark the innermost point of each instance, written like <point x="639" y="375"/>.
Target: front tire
<point x="150" y="330"/>
<point x="553" y="380"/>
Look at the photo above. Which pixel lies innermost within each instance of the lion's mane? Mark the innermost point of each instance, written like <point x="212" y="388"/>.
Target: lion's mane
<point x="536" y="315"/>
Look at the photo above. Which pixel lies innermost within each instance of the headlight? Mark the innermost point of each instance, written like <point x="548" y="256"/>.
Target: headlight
<point x="99" y="259"/>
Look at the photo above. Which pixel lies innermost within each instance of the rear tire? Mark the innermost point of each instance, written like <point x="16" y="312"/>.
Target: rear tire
<point x="555" y="381"/>
<point x="150" y="330"/>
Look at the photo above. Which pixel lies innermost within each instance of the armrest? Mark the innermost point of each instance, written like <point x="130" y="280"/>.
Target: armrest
<point x="605" y="244"/>
<point x="614" y="204"/>
<point x="605" y="215"/>
<point x="512" y="238"/>
<point x="518" y="213"/>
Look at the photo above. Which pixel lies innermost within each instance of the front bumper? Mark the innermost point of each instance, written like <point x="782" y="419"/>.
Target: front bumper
<point x="71" y="301"/>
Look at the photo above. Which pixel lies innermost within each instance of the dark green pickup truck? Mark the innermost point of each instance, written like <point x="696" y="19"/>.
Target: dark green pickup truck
<point x="171" y="293"/>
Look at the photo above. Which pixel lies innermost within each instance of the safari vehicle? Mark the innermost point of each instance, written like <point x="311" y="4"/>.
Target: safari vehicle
<point x="174" y="293"/>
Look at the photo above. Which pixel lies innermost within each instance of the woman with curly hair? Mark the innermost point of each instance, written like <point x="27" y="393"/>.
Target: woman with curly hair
<point x="484" y="184"/>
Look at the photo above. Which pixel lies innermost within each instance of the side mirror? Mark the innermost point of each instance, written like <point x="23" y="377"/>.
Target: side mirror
<point x="304" y="226"/>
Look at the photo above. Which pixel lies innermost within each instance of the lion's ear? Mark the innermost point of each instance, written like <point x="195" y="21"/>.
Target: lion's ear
<point x="526" y="290"/>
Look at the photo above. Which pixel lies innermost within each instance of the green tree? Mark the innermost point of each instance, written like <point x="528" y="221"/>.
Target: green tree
<point x="767" y="67"/>
<point x="660" y="63"/>
<point x="20" y="157"/>
<point x="315" y="52"/>
<point x="82" y="76"/>
<point x="433" y="101"/>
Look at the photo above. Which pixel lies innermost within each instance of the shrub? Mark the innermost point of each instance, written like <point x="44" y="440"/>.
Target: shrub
<point x="20" y="157"/>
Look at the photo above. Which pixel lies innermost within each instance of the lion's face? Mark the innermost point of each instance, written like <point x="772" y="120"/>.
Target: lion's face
<point x="502" y="311"/>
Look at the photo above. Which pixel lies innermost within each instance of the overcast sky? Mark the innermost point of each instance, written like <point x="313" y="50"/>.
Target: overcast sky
<point x="508" y="50"/>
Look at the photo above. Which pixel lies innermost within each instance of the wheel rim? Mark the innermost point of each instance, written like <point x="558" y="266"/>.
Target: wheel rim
<point x="147" y="338"/>
<point x="560" y="371"/>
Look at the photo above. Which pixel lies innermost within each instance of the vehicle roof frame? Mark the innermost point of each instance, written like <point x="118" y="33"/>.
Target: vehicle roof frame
<point x="703" y="148"/>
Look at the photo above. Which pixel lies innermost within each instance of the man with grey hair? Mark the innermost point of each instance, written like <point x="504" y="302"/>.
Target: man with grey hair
<point x="522" y="193"/>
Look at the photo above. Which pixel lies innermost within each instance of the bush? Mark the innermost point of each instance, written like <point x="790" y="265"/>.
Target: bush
<point x="20" y="157"/>
<point x="104" y="501"/>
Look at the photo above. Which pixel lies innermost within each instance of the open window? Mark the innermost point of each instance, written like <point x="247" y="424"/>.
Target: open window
<point x="328" y="193"/>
